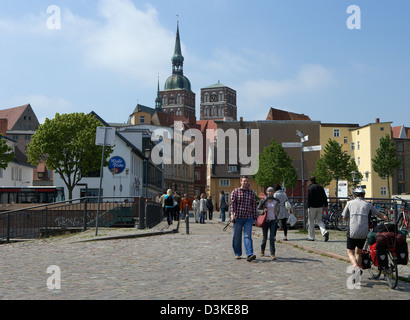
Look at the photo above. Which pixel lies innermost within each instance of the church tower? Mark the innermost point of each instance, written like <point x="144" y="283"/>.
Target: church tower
<point x="218" y="102"/>
<point x="177" y="97"/>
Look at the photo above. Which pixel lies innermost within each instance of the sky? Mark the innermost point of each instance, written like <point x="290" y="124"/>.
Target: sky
<point x="306" y="56"/>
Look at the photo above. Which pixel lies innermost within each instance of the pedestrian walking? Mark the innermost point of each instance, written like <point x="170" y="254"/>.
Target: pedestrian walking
<point x="195" y="207"/>
<point x="283" y="215"/>
<point x="357" y="212"/>
<point x="243" y="213"/>
<point x="169" y="206"/>
<point x="185" y="204"/>
<point x="222" y="206"/>
<point x="270" y="205"/>
<point x="177" y="206"/>
<point x="202" y="208"/>
<point x="317" y="200"/>
<point x="210" y="207"/>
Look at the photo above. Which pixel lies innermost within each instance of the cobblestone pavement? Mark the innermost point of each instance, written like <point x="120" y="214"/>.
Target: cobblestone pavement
<point x="177" y="266"/>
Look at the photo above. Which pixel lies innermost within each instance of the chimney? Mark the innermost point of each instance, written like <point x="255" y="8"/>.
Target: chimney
<point x="377" y="120"/>
<point x="3" y="126"/>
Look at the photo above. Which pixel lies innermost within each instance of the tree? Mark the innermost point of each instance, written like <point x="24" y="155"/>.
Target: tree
<point x="67" y="145"/>
<point x="334" y="164"/>
<point x="275" y="165"/>
<point x="386" y="161"/>
<point x="6" y="153"/>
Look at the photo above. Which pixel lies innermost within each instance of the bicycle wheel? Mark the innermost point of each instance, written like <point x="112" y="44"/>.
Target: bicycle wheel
<point x="391" y="272"/>
<point x="340" y="223"/>
<point x="374" y="271"/>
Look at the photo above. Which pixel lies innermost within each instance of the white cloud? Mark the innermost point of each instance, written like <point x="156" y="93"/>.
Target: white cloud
<point x="131" y="42"/>
<point x="262" y="94"/>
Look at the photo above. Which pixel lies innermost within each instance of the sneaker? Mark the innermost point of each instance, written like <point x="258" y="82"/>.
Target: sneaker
<point x="262" y="253"/>
<point x="326" y="236"/>
<point x="251" y="257"/>
<point x="272" y="257"/>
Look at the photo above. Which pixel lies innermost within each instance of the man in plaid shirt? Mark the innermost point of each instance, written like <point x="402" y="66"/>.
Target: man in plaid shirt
<point x="243" y="213"/>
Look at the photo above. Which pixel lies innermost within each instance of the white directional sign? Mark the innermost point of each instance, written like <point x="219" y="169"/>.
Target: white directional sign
<point x="312" y="148"/>
<point x="292" y="145"/>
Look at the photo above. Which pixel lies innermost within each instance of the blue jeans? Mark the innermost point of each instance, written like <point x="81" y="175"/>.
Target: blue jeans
<point x="202" y="217"/>
<point x="246" y="225"/>
<point x="223" y="215"/>
<point x="271" y="226"/>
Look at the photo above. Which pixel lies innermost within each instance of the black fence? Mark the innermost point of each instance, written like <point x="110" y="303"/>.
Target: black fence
<point x="78" y="215"/>
<point x="389" y="206"/>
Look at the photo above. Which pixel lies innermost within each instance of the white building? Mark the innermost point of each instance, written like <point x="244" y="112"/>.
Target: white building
<point x="19" y="173"/>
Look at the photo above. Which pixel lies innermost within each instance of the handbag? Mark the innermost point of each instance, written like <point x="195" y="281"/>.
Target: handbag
<point x="260" y="222"/>
<point x="292" y="220"/>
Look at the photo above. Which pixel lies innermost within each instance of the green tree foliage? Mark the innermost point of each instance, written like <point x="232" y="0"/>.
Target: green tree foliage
<point x="386" y="161"/>
<point x="274" y="166"/>
<point x="67" y="145"/>
<point x="6" y="153"/>
<point x="334" y="164"/>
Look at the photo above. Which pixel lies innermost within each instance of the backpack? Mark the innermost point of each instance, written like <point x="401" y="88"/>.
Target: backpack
<point x="378" y="253"/>
<point x="402" y="253"/>
<point x="366" y="260"/>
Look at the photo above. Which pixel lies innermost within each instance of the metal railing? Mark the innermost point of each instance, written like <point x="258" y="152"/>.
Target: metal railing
<point x="389" y="206"/>
<point x="78" y="214"/>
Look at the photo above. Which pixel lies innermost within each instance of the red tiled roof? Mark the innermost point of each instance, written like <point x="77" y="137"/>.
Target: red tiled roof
<point x="12" y="115"/>
<point x="276" y="114"/>
<point x="396" y="132"/>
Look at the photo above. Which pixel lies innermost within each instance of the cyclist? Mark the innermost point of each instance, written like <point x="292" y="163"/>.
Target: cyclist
<point x="357" y="213"/>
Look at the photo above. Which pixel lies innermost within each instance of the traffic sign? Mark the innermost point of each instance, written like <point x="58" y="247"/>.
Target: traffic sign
<point x="312" y="148"/>
<point x="292" y="145"/>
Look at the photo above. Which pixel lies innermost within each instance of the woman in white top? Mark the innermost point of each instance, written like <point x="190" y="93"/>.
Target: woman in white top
<point x="202" y="208"/>
<point x="283" y="215"/>
<point x="195" y="207"/>
<point x="270" y="205"/>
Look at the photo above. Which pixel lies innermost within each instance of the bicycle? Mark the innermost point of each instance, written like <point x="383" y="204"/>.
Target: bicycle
<point x="390" y="270"/>
<point x="403" y="220"/>
<point x="334" y="217"/>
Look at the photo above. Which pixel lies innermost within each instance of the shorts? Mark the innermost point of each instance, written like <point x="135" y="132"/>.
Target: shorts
<point x="353" y="243"/>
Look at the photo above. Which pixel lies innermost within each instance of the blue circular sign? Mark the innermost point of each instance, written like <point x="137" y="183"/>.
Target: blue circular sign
<point x="117" y="165"/>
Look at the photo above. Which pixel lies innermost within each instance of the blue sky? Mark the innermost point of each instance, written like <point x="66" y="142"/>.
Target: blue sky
<point x="296" y="55"/>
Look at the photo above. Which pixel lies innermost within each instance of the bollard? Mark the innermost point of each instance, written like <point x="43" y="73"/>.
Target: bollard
<point x="187" y="219"/>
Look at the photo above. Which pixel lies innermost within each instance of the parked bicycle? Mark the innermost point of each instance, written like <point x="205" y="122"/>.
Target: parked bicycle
<point x="403" y="218"/>
<point x="333" y="217"/>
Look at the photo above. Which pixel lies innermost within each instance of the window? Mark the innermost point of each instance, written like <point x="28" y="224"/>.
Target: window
<point x="358" y="145"/>
<point x="400" y="174"/>
<point x="399" y="146"/>
<point x="345" y="140"/>
<point x="142" y="119"/>
<point x="352" y="146"/>
<point x="358" y="161"/>
<point x="224" y="182"/>
<point x="232" y="169"/>
<point x="197" y="175"/>
<point x="383" y="191"/>
<point x="336" y="133"/>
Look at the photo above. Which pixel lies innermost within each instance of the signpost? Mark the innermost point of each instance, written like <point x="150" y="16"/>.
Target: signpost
<point x="105" y="137"/>
<point x="303" y="139"/>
